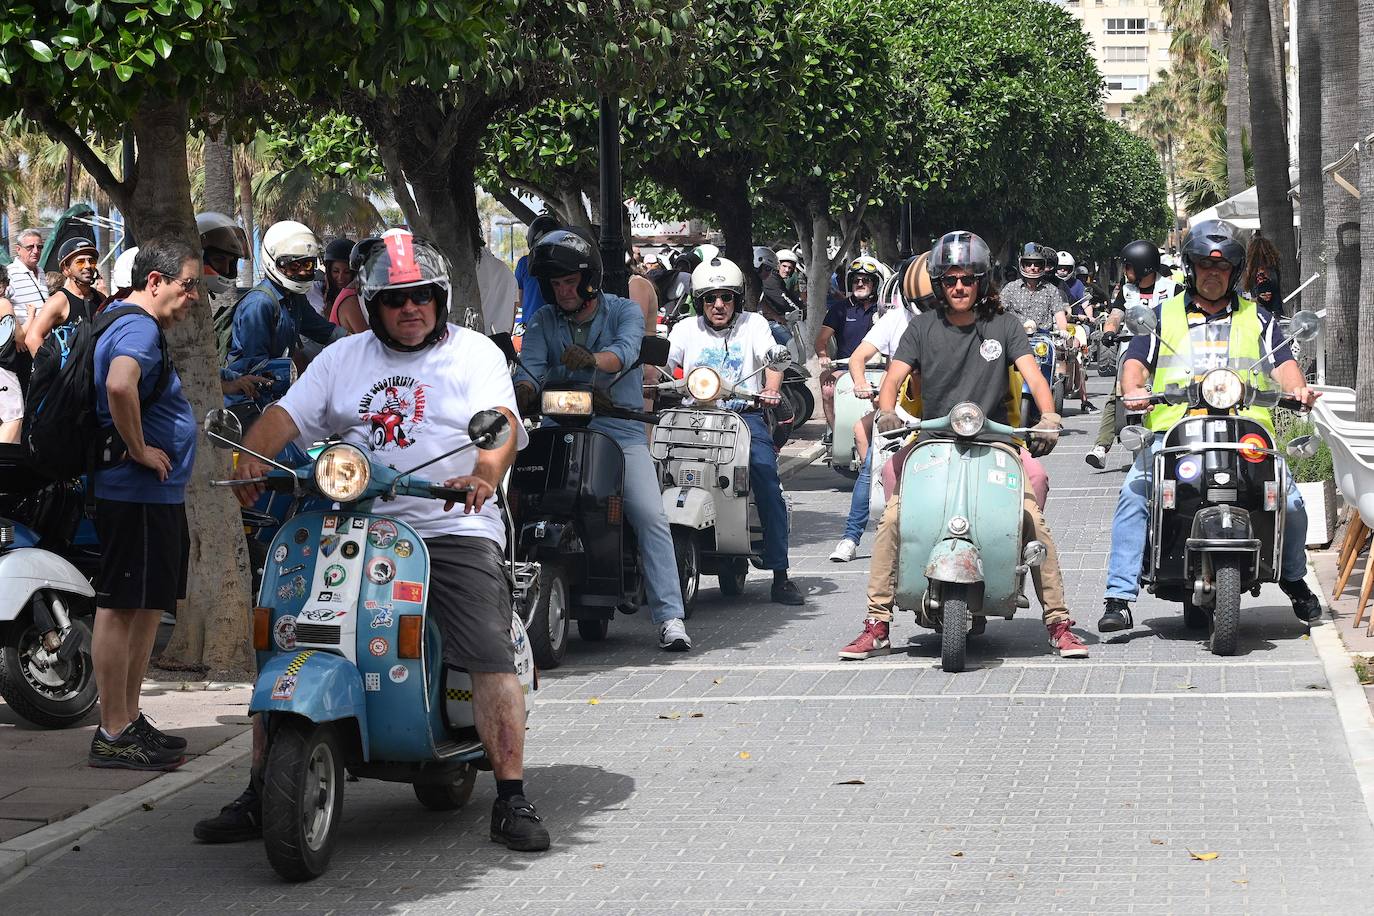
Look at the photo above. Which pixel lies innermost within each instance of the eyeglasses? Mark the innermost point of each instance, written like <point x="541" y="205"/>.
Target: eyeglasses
<point x="37" y="246"/>
<point x="951" y="282"/>
<point x="186" y="283"/>
<point x="397" y="298"/>
<point x="863" y="279"/>
<point x="708" y="298"/>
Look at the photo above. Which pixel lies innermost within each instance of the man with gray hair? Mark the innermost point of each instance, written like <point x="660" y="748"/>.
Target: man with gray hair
<point x="28" y="288"/>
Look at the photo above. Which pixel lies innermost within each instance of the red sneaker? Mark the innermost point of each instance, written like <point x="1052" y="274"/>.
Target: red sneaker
<point x="1064" y="640"/>
<point x="872" y="641"/>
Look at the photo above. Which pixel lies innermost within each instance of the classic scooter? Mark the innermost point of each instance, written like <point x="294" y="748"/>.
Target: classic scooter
<point x="1045" y="346"/>
<point x="351" y="672"/>
<point x="962" y="557"/>
<point x="1218" y="494"/>
<point x="703" y="458"/>
<point x="850" y="409"/>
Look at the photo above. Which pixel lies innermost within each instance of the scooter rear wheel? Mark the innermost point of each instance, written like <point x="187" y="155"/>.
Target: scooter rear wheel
<point x="449" y="796"/>
<point x="1226" y="611"/>
<point x="302" y="804"/>
<point x="954" y="629"/>
<point x="548" y="629"/>
<point x="593" y="630"/>
<point x="732" y="580"/>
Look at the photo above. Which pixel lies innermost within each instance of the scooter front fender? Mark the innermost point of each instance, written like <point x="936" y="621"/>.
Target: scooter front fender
<point x="690" y="507"/>
<point x="955" y="561"/>
<point x="25" y="570"/>
<point x="318" y="686"/>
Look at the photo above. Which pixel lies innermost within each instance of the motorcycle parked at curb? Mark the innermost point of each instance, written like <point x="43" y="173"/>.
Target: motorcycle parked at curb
<point x="1218" y="495"/>
<point x="351" y="673"/>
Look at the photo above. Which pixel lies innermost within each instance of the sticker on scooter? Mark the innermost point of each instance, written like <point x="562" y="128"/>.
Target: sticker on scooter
<point x="279" y="555"/>
<point x="306" y="551"/>
<point x="378" y="646"/>
<point x="284" y="592"/>
<point x="350" y="549"/>
<point x="298" y="586"/>
<point x="328" y="544"/>
<point x="382" y="618"/>
<point x="372" y="682"/>
<point x="284" y="633"/>
<point x="301" y="536"/>
<point x="382" y="534"/>
<point x="381" y="570"/>
<point x="398" y="674"/>
<point x="404" y="548"/>
<point x="326" y="597"/>
<point x="331" y="522"/>
<point x="1188" y="469"/>
<point x="334" y="576"/>
<point x="1000" y="458"/>
<point x="358" y="524"/>
<point x="997" y="477"/>
<point x="413" y="592"/>
<point x="322" y="615"/>
<point x="288" y="570"/>
<point x="1013" y="482"/>
<point x="284" y="687"/>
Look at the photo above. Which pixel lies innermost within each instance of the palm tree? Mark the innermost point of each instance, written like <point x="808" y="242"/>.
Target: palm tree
<point x="1222" y="23"/>
<point x="1340" y="131"/>
<point x="1269" y="138"/>
<point x="1313" y="203"/>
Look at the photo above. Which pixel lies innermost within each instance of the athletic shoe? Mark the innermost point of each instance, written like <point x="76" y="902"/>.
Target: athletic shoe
<point x="514" y="824"/>
<point x="161" y="738"/>
<point x="828" y="439"/>
<point x="1087" y="406"/>
<point x="786" y="592"/>
<point x="872" y="641"/>
<point x="1117" y="616"/>
<point x="1306" y="606"/>
<point x="844" y="551"/>
<point x="1063" y="639"/>
<point x="237" y="821"/>
<point x="132" y="749"/>
<point x="672" y="636"/>
<point x="1097" y="457"/>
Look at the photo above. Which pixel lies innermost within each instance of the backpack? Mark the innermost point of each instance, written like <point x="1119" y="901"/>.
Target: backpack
<point x="62" y="429"/>
<point x="223" y="317"/>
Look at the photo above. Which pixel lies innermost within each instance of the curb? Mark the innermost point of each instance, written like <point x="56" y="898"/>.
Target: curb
<point x="24" y="851"/>
<point x="1357" y="719"/>
<point x="791" y="465"/>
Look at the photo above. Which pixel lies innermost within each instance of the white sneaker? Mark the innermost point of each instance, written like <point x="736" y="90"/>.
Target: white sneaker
<point x="844" y="551"/>
<point x="1097" y="457"/>
<point x="672" y="636"/>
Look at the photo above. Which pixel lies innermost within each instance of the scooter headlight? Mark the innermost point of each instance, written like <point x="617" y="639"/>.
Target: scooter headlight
<point x="1030" y="326"/>
<point x="342" y="472"/>
<point x="966" y="419"/>
<point x="703" y="383"/>
<point x="566" y="403"/>
<point x="1222" y="389"/>
<point x="1041" y="349"/>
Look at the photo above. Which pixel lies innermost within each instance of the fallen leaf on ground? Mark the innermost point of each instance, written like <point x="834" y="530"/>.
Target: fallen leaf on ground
<point x="1204" y="856"/>
<point x="697" y="715"/>
<point x="1186" y="686"/>
<point x="671" y="715"/>
<point x="718" y="680"/>
<point x="1240" y="881"/>
<point x="1157" y="842"/>
<point x="599" y="865"/>
<point x="852" y="782"/>
<point x="593" y="701"/>
<point x="147" y="806"/>
<point x="743" y="755"/>
<point x="957" y="854"/>
<point x="1305" y="636"/>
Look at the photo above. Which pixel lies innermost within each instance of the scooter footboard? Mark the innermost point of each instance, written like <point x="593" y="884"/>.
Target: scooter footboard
<point x="319" y="686"/>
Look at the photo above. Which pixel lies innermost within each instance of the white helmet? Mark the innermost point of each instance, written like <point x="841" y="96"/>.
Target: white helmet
<point x="220" y="233"/>
<point x="717" y="274"/>
<point x="284" y="242"/>
<point x="1066" y="265"/>
<point x="764" y="257"/>
<point x="787" y="254"/>
<point x="122" y="274"/>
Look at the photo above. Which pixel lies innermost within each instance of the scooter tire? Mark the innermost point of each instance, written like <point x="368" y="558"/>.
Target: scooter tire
<point x="732" y="580"/>
<point x="1059" y="397"/>
<point x="593" y="630"/>
<point x="954" y="629"/>
<point x="805" y="401"/>
<point x="31" y="703"/>
<point x="302" y="802"/>
<point x="687" y="552"/>
<point x="1226" y="587"/>
<point x="449" y="796"/>
<point x="548" y="629"/>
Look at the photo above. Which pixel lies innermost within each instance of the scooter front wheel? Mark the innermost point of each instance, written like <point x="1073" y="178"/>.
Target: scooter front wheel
<point x="302" y="805"/>
<point x="41" y="687"/>
<point x="688" y="554"/>
<point x="1226" y="611"/>
<point x="449" y="796"/>
<point x="954" y="629"/>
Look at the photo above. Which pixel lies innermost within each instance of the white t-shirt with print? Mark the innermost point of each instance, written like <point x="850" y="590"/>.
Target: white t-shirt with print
<point x="888" y="330"/>
<point x="738" y="352"/>
<point x="406" y="408"/>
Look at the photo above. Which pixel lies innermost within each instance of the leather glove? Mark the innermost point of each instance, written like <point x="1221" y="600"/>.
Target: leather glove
<point x="887" y="421"/>
<point x="526" y="399"/>
<point x="578" y="357"/>
<point x="1045" y="436"/>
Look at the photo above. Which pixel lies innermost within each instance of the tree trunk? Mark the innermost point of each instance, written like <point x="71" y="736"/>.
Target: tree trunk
<point x="1313" y="203"/>
<point x="885" y="225"/>
<point x="1237" y="100"/>
<point x="1277" y="35"/>
<point x="735" y="214"/>
<point x="1340" y="130"/>
<point x="218" y="158"/>
<point x="1269" y="139"/>
<point x="1365" y="366"/>
<point x="243" y="174"/>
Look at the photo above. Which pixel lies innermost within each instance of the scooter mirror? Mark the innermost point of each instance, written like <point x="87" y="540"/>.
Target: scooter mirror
<point x="223" y="427"/>
<point x="6" y="333"/>
<point x="489" y="429"/>
<point x="1135" y="437"/>
<point x="1303" y="446"/>
<point x="1141" y="320"/>
<point x="505" y="343"/>
<point x="779" y="357"/>
<point x="1304" y="326"/>
<point x="653" y="351"/>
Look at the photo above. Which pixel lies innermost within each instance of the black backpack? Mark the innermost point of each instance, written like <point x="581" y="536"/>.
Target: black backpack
<point x="61" y="426"/>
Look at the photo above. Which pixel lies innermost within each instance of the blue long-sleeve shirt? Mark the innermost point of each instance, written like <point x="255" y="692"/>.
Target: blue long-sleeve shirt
<point x="267" y="321"/>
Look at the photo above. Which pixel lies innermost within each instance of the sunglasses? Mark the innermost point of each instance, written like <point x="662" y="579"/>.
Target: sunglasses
<point x="708" y="298"/>
<point x="1212" y="264"/>
<point x="1038" y="265"/>
<point x="951" y="282"/>
<point x="397" y="298"/>
<point x="186" y="283"/>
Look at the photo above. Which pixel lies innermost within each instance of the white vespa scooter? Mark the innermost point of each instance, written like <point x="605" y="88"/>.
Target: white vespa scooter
<point x="702" y="453"/>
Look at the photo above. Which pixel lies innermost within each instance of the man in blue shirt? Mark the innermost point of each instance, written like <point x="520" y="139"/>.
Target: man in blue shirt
<point x="592" y="335"/>
<point x="847" y="322"/>
<point x="531" y="298"/>
<point x="140" y="501"/>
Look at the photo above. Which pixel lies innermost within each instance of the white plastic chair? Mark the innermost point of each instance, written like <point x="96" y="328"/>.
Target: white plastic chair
<point x="1352" y="459"/>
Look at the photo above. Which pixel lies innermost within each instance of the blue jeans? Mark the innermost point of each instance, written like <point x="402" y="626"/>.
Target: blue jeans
<point x="858" y="502"/>
<point x="1132" y="517"/>
<point x="644" y="509"/>
<point x="767" y="487"/>
<point x="780" y="332"/>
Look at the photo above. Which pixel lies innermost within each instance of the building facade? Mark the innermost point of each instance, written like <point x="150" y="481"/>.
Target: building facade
<point x="1130" y="43"/>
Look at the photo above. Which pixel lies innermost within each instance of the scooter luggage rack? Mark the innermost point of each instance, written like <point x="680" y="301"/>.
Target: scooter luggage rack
<point x="678" y="437"/>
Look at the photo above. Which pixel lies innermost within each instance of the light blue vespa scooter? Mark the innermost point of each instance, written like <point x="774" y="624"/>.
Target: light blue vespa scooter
<point x="350" y="667"/>
<point x="962" y="555"/>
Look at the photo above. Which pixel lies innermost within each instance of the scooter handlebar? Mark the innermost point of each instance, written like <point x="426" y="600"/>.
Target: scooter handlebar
<point x="449" y="494"/>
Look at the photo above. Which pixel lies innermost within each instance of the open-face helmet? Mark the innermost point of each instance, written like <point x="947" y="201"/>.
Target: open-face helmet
<point x="960" y="248"/>
<point x="1031" y="263"/>
<point x="1213" y="238"/>
<point x="864" y="266"/>
<point x="718" y="275"/>
<point x="399" y="260"/>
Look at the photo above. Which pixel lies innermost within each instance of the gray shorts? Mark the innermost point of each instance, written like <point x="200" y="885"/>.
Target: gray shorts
<point x="470" y="598"/>
<point x="11" y="397"/>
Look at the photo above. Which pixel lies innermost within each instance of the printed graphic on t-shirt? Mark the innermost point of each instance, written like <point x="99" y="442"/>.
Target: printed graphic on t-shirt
<point x="726" y="359"/>
<point x="991" y="349"/>
<point x="394" y="409"/>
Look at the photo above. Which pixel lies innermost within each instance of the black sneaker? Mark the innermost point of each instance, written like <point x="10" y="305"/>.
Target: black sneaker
<point x="786" y="592"/>
<point x="514" y="824"/>
<point x="237" y="821"/>
<point x="1117" y="616"/>
<point x="1307" y="606"/>
<point x="133" y="749"/>
<point x="1088" y="406"/>
<point x="157" y="735"/>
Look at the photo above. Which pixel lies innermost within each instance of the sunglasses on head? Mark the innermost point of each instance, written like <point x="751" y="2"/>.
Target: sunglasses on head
<point x="950" y="282"/>
<point x="397" y="298"/>
<point x="708" y="298"/>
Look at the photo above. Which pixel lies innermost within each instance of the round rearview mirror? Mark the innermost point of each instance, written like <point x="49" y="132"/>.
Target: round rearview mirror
<point x="779" y="357"/>
<point x="1304" y="325"/>
<point x="489" y="429"/>
<point x="1134" y="438"/>
<point x="223" y="427"/>
<point x="1141" y="319"/>
<point x="6" y="333"/>
<point x="1303" y="446"/>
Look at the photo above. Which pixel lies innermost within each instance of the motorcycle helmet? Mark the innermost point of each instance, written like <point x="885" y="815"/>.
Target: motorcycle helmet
<point x="706" y="252"/>
<point x="787" y="254"/>
<point x="1142" y="257"/>
<point x="220" y="235"/>
<point x="561" y="253"/>
<point x="399" y="260"/>
<point x="1067" y="264"/>
<point x="286" y="242"/>
<point x="1082" y="272"/>
<point x="960" y="249"/>
<point x="1032" y="253"/>
<point x="718" y="275"/>
<point x="539" y="227"/>
<point x="864" y="266"/>
<point x="1213" y="238"/>
<point x="918" y="293"/>
<point x="764" y="259"/>
<point x="337" y="250"/>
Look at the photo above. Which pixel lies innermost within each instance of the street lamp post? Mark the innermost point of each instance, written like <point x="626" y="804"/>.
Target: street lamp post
<point x="615" y="275"/>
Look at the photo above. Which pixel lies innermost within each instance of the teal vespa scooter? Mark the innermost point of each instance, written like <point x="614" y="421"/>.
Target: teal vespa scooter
<point x="350" y="664"/>
<point x="962" y="558"/>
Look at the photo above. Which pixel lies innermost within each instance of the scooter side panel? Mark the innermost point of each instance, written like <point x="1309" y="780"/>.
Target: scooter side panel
<point x="848" y="411"/>
<point x="925" y="493"/>
<point x="996" y="514"/>
<point x="25" y="570"/>
<point x="320" y="686"/>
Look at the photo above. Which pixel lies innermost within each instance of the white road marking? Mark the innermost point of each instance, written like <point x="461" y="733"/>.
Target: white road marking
<point x="892" y="697"/>
<point x="857" y="667"/>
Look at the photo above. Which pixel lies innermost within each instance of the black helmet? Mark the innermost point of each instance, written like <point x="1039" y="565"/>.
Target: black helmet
<point x="399" y="260"/>
<point x="338" y="250"/>
<point x="1141" y="256"/>
<point x="539" y="227"/>
<point x="1033" y="251"/>
<point x="960" y="249"/>
<point x="563" y="252"/>
<point x="1213" y="238"/>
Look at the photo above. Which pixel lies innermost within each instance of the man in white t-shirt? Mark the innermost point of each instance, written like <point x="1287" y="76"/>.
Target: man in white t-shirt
<point x="498" y="290"/>
<point x="736" y="345"/>
<point x="28" y="287"/>
<point x="405" y="393"/>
